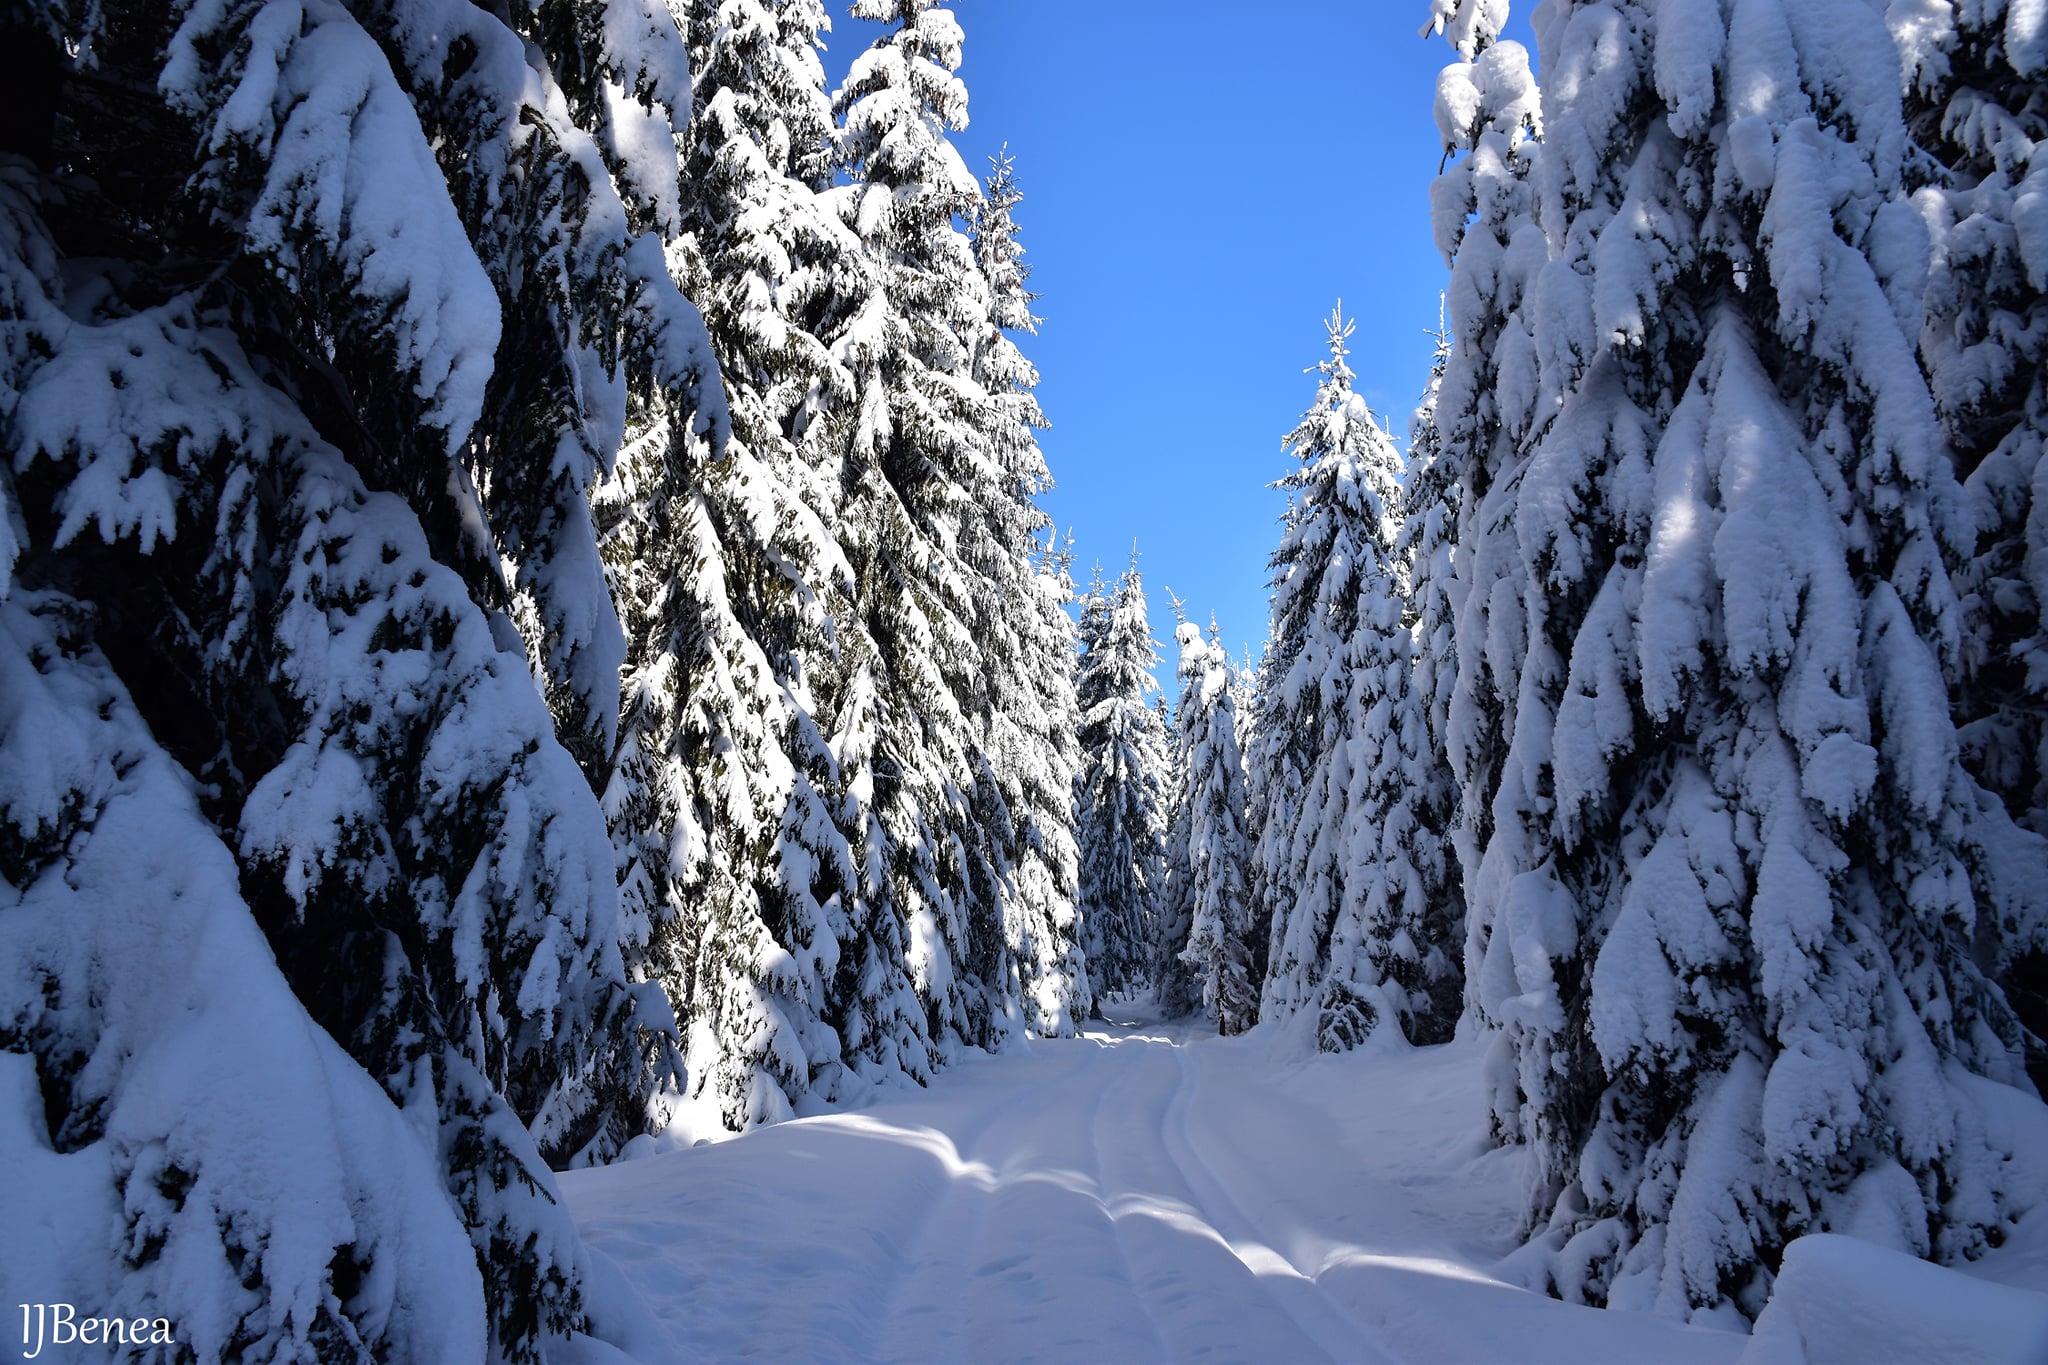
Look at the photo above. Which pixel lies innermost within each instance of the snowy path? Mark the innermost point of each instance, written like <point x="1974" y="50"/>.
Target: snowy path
<point x="1132" y="1196"/>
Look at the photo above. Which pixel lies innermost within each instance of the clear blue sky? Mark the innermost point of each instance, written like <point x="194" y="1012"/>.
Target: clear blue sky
<point x="1202" y="182"/>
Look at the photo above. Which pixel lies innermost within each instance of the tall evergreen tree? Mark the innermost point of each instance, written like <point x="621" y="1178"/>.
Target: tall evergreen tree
<point x="1343" y="734"/>
<point x="1175" y="987"/>
<point x="1301" y="727"/>
<point x="928" y="459"/>
<point x="1209" y="872"/>
<point x="1025" y="635"/>
<point x="1050" y="938"/>
<point x="1121" y="789"/>
<point x="1735" y="900"/>
<point x="1429" y="502"/>
<point x="371" y="289"/>
<point x="1091" y="616"/>
<point x="730" y="862"/>
<point x="1973" y="103"/>
<point x="1300" y="760"/>
<point x="1481" y="204"/>
<point x="161" y="1071"/>
<point x="723" y="789"/>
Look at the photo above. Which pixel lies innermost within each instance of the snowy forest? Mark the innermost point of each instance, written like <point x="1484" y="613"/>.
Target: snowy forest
<point x="527" y="618"/>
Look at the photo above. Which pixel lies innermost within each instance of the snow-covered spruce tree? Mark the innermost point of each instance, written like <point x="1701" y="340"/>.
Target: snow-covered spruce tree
<point x="1974" y="103"/>
<point x="723" y="792"/>
<point x="1246" y="680"/>
<point x="1022" y="628"/>
<point x="900" y="518"/>
<point x="1739" y="893"/>
<point x="1275" y="763"/>
<point x="1091" y="616"/>
<point x="556" y="137"/>
<point x="1209" y="872"/>
<point x="1300" y="760"/>
<point x="1481" y="205"/>
<point x="922" y="445"/>
<point x="262" y="437"/>
<point x="1121" y="790"/>
<point x="1172" y="983"/>
<point x="728" y="853"/>
<point x="1428" y="503"/>
<point x="565" y="182"/>
<point x="1342" y="736"/>
<point x="1175" y="987"/>
<point x="1048" y="935"/>
<point x="181" y="1138"/>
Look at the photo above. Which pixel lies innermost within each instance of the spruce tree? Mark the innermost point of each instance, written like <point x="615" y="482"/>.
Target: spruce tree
<point x="1209" y="870"/>
<point x="1023" y="631"/>
<point x="1973" y="104"/>
<point x="1341" y="734"/>
<point x="1735" y="906"/>
<point x="161" y="1071"/>
<point x="1175" y="987"/>
<point x="1300" y="758"/>
<point x="1091" y="625"/>
<point x="933" y="853"/>
<point x="373" y="289"/>
<point x="722" y="792"/>
<point x="1121" y="789"/>
<point x="1429" y="503"/>
<point x="1481" y="206"/>
<point x="1051" y="939"/>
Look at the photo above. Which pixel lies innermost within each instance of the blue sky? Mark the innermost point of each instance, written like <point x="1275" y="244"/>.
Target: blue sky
<point x="1201" y="184"/>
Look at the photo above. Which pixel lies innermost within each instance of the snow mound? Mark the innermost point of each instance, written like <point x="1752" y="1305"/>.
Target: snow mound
<point x="1841" y="1298"/>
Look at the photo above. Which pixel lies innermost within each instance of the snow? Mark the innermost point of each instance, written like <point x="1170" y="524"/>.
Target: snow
<point x="1840" y="1298"/>
<point x="349" y="172"/>
<point x="1690" y="40"/>
<point x="1145" y="1192"/>
<point x="1467" y="24"/>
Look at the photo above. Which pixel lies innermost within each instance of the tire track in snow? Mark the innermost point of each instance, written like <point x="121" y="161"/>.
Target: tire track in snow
<point x="1116" y="1199"/>
<point x="922" y="1316"/>
<point x="1206" y="1299"/>
<point x="1118" y="1234"/>
<point x="1320" y="1315"/>
<point x="1047" y="1279"/>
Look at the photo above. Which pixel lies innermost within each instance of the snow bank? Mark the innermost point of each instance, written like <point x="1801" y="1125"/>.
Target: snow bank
<point x="1841" y="1298"/>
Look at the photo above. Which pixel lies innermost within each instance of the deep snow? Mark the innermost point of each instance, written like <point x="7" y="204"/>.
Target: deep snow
<point x="1150" y="1193"/>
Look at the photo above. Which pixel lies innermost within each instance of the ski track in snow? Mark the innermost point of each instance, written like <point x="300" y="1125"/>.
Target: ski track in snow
<point x="1142" y="1194"/>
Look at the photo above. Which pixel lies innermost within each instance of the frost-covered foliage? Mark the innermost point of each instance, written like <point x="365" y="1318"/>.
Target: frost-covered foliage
<point x="1468" y="25"/>
<point x="1331" y="559"/>
<point x="1481" y="204"/>
<point x="1426" y="550"/>
<point x="1341" y="746"/>
<point x="1122" y="789"/>
<point x="1974" y="104"/>
<point x="192" y="1144"/>
<point x="554" y="133"/>
<point x="1206" y="925"/>
<point x="1736" y="895"/>
<point x="723" y="793"/>
<point x="319" y="321"/>
<point x="1025" y="635"/>
<point x="952" y="756"/>
<point x="730" y="865"/>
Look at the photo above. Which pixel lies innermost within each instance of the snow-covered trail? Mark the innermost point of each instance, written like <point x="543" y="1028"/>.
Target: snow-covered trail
<point x="1134" y="1195"/>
